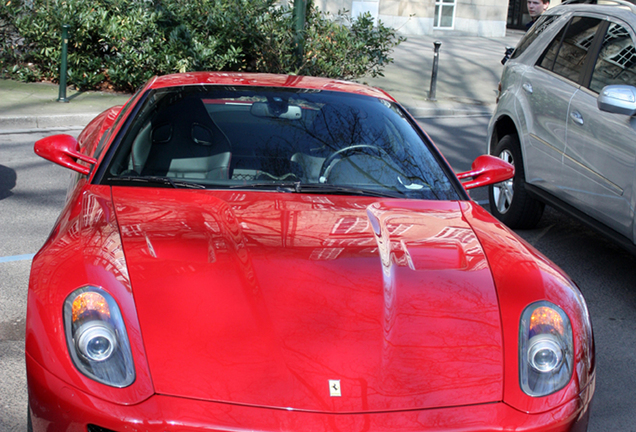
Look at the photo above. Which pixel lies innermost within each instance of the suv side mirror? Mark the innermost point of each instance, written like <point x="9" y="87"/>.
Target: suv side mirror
<point x="507" y="54"/>
<point x="618" y="99"/>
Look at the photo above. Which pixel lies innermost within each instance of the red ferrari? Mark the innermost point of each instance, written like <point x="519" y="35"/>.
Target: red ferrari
<point x="244" y="253"/>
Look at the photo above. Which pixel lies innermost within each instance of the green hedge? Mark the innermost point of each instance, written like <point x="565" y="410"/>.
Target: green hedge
<point x="119" y="44"/>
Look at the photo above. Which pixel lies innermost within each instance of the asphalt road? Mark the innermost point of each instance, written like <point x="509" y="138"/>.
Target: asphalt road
<point x="32" y="193"/>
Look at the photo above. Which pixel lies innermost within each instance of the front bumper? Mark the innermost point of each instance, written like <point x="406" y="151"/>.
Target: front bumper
<point x="56" y="406"/>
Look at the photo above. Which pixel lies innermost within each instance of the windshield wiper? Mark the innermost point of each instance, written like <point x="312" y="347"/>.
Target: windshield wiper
<point x="285" y="186"/>
<point x="156" y="180"/>
<point x="298" y="187"/>
<point x="325" y="188"/>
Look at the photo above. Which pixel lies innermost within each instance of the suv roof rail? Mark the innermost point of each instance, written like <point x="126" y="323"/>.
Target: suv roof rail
<point x="624" y="3"/>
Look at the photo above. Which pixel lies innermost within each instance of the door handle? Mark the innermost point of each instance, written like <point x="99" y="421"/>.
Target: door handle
<point x="577" y="117"/>
<point x="527" y="87"/>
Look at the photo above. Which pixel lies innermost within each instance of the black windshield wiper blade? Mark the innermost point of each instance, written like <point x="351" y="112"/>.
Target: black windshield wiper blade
<point x="274" y="186"/>
<point x="157" y="180"/>
<point x="298" y="187"/>
<point x="325" y="188"/>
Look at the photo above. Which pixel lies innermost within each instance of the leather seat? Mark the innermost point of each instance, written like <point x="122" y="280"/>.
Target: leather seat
<point x="182" y="141"/>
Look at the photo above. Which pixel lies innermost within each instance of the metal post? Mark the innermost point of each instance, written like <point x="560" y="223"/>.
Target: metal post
<point x="300" y="11"/>
<point x="431" y="94"/>
<point x="63" y="64"/>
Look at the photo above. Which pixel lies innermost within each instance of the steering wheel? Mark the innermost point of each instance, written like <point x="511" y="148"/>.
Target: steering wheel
<point x="344" y="153"/>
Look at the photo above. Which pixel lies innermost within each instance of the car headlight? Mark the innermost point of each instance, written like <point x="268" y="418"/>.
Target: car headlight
<point x="96" y="337"/>
<point x="545" y="349"/>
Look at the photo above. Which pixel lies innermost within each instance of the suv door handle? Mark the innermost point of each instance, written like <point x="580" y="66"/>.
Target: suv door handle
<point x="577" y="117"/>
<point x="527" y="87"/>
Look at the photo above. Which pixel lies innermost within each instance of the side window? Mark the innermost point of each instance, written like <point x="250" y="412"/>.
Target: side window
<point x="616" y="63"/>
<point x="543" y="23"/>
<point x="566" y="54"/>
<point x="102" y="142"/>
<point x="106" y="135"/>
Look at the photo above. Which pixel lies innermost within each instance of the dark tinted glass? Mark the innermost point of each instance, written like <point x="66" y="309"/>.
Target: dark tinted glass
<point x="106" y="135"/>
<point x="566" y="54"/>
<point x="222" y="137"/>
<point x="616" y="63"/>
<point x="546" y="61"/>
<point x="543" y="22"/>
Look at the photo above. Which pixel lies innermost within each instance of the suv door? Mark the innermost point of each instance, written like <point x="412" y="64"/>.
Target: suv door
<point x="601" y="146"/>
<point x="549" y="88"/>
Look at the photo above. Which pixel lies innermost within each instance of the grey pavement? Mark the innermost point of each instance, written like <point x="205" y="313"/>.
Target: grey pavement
<point x="27" y="106"/>
<point x="468" y="74"/>
<point x="469" y="69"/>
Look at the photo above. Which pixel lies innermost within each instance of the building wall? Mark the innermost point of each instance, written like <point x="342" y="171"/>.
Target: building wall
<point x="417" y="17"/>
<point x="333" y="6"/>
<point x="482" y="17"/>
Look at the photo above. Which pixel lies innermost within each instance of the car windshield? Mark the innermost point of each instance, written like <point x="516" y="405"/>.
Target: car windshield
<point x="292" y="140"/>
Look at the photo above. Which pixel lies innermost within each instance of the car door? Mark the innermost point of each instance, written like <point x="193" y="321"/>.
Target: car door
<point x="548" y="88"/>
<point x="601" y="146"/>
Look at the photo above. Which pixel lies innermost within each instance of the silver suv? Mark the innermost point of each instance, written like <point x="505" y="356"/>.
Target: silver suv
<point x="566" y="119"/>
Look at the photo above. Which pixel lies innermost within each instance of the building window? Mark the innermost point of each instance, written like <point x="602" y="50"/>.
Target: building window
<point x="444" y="14"/>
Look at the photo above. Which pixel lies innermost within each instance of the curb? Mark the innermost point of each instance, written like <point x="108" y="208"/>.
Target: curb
<point x="31" y="122"/>
<point x="459" y="111"/>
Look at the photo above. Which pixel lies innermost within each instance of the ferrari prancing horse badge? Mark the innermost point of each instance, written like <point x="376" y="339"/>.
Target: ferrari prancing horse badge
<point x="334" y="388"/>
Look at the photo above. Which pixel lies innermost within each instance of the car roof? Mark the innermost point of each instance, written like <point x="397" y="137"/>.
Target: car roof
<point x="265" y="80"/>
<point x="618" y="8"/>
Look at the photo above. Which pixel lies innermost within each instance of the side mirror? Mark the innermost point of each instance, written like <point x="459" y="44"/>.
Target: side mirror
<point x="507" y="54"/>
<point x="618" y="99"/>
<point x="487" y="170"/>
<point x="63" y="150"/>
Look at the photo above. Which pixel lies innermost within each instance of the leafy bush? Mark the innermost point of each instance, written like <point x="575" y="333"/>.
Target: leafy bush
<point x="120" y="44"/>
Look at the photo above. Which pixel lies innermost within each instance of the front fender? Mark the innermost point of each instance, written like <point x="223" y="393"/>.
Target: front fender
<point x="506" y="120"/>
<point x="523" y="276"/>
<point x="83" y="249"/>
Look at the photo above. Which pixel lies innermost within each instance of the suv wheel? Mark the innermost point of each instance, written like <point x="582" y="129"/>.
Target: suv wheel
<point x="509" y="200"/>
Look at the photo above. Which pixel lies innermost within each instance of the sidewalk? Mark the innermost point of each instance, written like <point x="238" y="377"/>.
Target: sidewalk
<point x="469" y="69"/>
<point x="25" y="106"/>
<point x="468" y="75"/>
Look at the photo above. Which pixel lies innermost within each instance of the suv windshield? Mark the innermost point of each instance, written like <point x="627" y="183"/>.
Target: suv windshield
<point x="279" y="139"/>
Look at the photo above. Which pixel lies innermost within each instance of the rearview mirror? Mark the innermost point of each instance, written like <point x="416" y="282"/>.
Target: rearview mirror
<point x="487" y="170"/>
<point x="63" y="150"/>
<point x="264" y="109"/>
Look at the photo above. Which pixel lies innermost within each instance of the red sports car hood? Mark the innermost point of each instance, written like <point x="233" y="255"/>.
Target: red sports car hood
<point x="319" y="303"/>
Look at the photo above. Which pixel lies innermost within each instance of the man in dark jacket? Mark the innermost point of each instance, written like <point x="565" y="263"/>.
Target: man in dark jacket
<point x="535" y="9"/>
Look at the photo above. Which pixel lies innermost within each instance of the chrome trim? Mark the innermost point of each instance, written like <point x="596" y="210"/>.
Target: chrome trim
<point x="603" y="181"/>
<point x="545" y="143"/>
<point x="594" y="175"/>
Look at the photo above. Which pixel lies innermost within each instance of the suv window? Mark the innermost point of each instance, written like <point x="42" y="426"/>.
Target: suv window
<point x="539" y="27"/>
<point x="616" y="62"/>
<point x="567" y="52"/>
